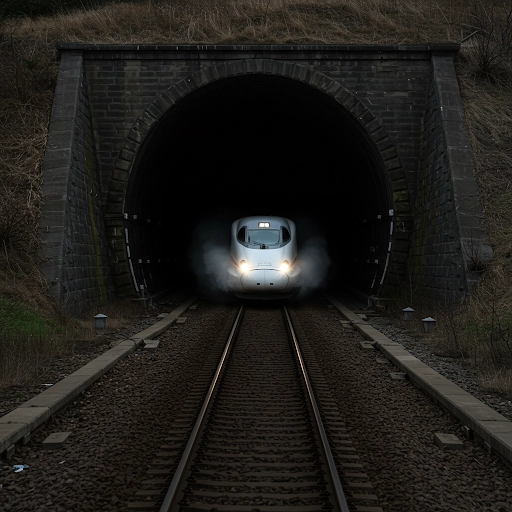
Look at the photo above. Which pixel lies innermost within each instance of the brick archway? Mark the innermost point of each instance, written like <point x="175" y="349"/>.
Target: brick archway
<point x="155" y="113"/>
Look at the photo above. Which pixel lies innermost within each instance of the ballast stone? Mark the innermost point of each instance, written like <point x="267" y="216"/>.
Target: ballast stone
<point x="397" y="376"/>
<point x="448" y="441"/>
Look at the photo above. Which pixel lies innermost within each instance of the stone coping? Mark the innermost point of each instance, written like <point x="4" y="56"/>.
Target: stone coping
<point x="29" y="415"/>
<point x="427" y="47"/>
<point x="493" y="428"/>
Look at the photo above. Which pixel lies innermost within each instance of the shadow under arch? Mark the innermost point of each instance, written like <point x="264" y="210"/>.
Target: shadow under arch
<point x="372" y="187"/>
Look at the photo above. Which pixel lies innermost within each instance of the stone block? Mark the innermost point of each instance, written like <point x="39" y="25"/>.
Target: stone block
<point x="398" y="376"/>
<point x="365" y="345"/>
<point x="55" y="441"/>
<point x="10" y="451"/>
<point x="448" y="442"/>
<point x="467" y="432"/>
<point x="151" y="345"/>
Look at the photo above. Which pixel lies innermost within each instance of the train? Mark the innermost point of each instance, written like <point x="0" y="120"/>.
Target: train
<point x="264" y="258"/>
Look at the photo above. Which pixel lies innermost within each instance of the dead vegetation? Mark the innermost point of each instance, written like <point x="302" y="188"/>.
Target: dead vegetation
<point x="30" y="341"/>
<point x="257" y="21"/>
<point x="28" y="70"/>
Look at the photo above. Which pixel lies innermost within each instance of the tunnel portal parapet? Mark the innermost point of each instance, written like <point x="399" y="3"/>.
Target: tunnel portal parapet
<point x="110" y="98"/>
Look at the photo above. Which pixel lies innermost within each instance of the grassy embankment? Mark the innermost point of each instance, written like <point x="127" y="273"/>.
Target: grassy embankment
<point x="479" y="329"/>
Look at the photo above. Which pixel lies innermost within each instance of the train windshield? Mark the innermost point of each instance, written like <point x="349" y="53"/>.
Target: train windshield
<point x="263" y="236"/>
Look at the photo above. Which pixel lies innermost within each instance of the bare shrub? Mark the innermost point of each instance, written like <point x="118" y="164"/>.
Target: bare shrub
<point x="493" y="21"/>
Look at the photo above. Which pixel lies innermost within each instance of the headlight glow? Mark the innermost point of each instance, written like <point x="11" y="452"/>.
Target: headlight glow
<point x="244" y="266"/>
<point x="285" y="266"/>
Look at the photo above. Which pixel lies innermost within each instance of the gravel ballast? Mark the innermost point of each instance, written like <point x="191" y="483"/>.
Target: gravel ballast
<point x="393" y="424"/>
<point x="119" y="424"/>
<point x="458" y="370"/>
<point x="116" y="426"/>
<point x="84" y="351"/>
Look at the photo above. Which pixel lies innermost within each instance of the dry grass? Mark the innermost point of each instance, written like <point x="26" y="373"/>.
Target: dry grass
<point x="29" y="342"/>
<point x="28" y="70"/>
<point x="257" y="21"/>
<point x="28" y="74"/>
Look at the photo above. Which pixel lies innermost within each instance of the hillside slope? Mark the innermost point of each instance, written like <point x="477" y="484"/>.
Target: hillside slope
<point x="28" y="69"/>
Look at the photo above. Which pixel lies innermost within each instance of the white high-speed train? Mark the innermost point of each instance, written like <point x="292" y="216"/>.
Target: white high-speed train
<point x="264" y="258"/>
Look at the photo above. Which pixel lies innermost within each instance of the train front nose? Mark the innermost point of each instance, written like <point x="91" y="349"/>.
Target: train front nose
<point x="264" y="280"/>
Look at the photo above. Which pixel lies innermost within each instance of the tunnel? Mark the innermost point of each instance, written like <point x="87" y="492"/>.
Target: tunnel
<point x="258" y="145"/>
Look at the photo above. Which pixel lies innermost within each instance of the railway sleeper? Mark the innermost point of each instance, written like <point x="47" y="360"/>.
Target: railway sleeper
<point x="142" y="505"/>
<point x="269" y="484"/>
<point x="354" y="496"/>
<point x="262" y="440"/>
<point x="256" y="421"/>
<point x="171" y="454"/>
<point x="290" y="406"/>
<point x="268" y="447"/>
<point x="241" y="495"/>
<point x="202" y="507"/>
<point x="270" y="465"/>
<point x="263" y="474"/>
<point x="223" y="425"/>
<point x="166" y="472"/>
<point x="165" y="463"/>
<point x="156" y="481"/>
<point x="258" y="436"/>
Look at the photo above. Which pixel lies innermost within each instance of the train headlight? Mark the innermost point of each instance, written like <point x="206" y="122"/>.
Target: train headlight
<point x="244" y="266"/>
<point x="285" y="265"/>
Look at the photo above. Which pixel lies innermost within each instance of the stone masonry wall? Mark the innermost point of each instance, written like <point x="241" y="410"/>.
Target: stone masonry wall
<point x="442" y="263"/>
<point x="393" y="84"/>
<point x="103" y="91"/>
<point x="72" y="223"/>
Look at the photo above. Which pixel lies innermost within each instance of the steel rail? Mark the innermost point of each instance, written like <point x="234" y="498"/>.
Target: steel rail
<point x="338" y="489"/>
<point x="172" y="492"/>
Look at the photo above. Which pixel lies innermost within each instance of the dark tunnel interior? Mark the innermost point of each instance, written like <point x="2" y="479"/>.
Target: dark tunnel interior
<point x="257" y="145"/>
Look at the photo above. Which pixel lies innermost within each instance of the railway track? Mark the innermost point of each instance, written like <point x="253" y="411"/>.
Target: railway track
<point x="266" y="437"/>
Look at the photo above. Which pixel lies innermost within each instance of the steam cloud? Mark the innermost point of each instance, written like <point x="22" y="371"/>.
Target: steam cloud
<point x="209" y="256"/>
<point x="314" y="261"/>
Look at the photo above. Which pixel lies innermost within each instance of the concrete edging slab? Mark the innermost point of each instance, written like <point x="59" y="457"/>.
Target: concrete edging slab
<point x="485" y="422"/>
<point x="29" y="415"/>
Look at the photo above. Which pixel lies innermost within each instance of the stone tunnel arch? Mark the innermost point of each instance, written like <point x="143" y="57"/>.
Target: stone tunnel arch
<point x="135" y="266"/>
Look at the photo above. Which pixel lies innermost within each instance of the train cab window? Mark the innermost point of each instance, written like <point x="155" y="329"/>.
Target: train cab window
<point x="263" y="236"/>
<point x="286" y="235"/>
<point x="241" y="235"/>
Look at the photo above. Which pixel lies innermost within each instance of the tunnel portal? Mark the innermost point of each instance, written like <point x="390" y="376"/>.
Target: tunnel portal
<point x="362" y="145"/>
<point x="258" y="145"/>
